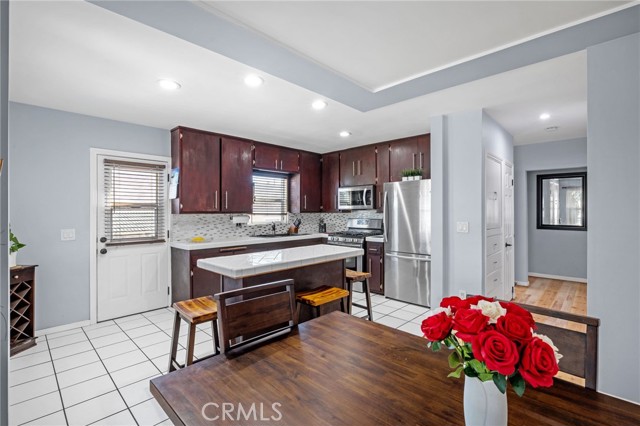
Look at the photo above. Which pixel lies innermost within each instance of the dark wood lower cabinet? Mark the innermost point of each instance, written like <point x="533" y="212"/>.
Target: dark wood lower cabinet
<point x="22" y="298"/>
<point x="375" y="265"/>
<point x="189" y="281"/>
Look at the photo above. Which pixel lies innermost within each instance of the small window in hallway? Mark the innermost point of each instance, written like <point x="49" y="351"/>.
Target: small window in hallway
<point x="562" y="200"/>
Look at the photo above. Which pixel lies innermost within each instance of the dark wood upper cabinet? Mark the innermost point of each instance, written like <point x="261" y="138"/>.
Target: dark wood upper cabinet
<point x="197" y="154"/>
<point x="305" y="188"/>
<point x="358" y="166"/>
<point x="272" y="157"/>
<point x="330" y="181"/>
<point x="382" y="167"/>
<point x="410" y="153"/>
<point x="236" y="188"/>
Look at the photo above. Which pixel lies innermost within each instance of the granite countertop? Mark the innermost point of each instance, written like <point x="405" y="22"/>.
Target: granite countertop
<point x="249" y="264"/>
<point x="234" y="241"/>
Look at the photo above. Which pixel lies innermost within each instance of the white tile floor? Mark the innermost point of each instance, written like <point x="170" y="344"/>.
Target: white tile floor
<point x="100" y="374"/>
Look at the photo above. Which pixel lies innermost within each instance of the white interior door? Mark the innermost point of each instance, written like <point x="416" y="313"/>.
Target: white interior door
<point x="132" y="264"/>
<point x="507" y="227"/>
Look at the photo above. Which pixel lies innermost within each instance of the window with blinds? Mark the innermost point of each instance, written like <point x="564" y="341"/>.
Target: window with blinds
<point x="134" y="202"/>
<point x="270" y="197"/>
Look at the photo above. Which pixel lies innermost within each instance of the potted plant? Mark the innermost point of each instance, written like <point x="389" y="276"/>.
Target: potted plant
<point x="417" y="174"/>
<point x="407" y="174"/>
<point x="15" y="245"/>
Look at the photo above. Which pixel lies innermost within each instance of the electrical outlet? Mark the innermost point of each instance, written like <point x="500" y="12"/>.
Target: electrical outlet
<point x="67" y="234"/>
<point x="462" y="227"/>
<point x="463" y="294"/>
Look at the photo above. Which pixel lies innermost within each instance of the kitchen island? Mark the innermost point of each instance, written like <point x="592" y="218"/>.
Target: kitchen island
<point x="309" y="266"/>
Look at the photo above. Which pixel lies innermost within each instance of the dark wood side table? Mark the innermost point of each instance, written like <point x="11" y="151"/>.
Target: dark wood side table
<point x="22" y="297"/>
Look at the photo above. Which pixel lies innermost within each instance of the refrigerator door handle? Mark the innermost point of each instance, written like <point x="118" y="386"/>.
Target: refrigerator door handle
<point x="425" y="258"/>
<point x="385" y="219"/>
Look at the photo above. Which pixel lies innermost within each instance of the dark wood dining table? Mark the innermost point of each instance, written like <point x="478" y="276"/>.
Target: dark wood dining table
<point x="342" y="370"/>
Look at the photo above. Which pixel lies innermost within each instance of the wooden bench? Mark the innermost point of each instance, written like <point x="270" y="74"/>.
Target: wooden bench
<point x="579" y="349"/>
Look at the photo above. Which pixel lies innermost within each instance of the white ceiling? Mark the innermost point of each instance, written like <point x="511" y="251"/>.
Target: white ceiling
<point x="78" y="57"/>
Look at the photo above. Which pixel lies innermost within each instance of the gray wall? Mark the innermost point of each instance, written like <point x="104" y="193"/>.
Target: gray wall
<point x="613" y="77"/>
<point x="458" y="145"/>
<point x="4" y="210"/>
<point x="551" y="251"/>
<point x="50" y="191"/>
<point x="565" y="154"/>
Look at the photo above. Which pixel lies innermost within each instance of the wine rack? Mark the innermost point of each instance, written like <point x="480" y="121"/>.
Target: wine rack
<point x="22" y="290"/>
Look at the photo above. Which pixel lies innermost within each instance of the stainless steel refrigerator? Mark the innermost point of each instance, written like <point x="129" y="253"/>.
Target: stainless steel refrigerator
<point x="407" y="241"/>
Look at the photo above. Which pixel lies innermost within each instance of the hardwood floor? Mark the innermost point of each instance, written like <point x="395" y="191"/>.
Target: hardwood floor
<point x="565" y="296"/>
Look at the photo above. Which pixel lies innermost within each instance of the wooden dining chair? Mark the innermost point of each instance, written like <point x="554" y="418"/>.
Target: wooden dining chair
<point x="255" y="313"/>
<point x="579" y="349"/>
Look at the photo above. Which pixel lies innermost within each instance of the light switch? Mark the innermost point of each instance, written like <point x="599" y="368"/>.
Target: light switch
<point x="462" y="227"/>
<point x="68" y="234"/>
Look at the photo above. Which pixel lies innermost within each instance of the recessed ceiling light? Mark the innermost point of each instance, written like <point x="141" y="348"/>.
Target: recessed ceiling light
<point x="319" y="104"/>
<point x="551" y="128"/>
<point x="545" y="116"/>
<point x="345" y="134"/>
<point x="167" y="84"/>
<point x="253" y="80"/>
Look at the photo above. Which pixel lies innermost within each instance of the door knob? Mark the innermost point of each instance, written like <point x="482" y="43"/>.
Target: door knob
<point x="103" y="251"/>
<point x="103" y="239"/>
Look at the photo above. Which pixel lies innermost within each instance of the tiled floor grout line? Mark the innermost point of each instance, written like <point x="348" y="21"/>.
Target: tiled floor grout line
<point x="114" y="384"/>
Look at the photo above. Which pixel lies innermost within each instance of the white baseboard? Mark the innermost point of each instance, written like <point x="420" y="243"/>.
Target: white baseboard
<point x="60" y="328"/>
<point x="558" y="277"/>
<point x="523" y="283"/>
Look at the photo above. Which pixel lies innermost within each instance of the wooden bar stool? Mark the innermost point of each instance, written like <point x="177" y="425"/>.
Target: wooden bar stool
<point x="194" y="312"/>
<point x="363" y="277"/>
<point x="321" y="296"/>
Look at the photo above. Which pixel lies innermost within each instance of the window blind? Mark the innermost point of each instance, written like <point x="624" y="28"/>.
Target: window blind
<point x="270" y="197"/>
<point x="134" y="202"/>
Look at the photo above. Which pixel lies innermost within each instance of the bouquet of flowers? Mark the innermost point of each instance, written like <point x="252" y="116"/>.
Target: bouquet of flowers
<point x="492" y="340"/>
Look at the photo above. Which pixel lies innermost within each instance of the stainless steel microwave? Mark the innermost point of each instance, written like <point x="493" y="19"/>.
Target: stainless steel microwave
<point x="356" y="198"/>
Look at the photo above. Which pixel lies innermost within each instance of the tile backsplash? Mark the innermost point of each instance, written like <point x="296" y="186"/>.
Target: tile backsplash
<point x="211" y="226"/>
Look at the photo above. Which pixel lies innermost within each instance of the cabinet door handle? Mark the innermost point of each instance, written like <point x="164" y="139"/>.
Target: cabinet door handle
<point x="414" y="160"/>
<point x="15" y="277"/>
<point x="181" y="206"/>
<point x="226" y="200"/>
<point x="280" y="164"/>
<point x="421" y="160"/>
<point x="305" y="202"/>
<point x="359" y="167"/>
<point x="353" y="167"/>
<point x="369" y="270"/>
<point x="226" y="250"/>
<point x="276" y="164"/>
<point x="379" y="201"/>
<point x="337" y="202"/>
<point x="216" y="201"/>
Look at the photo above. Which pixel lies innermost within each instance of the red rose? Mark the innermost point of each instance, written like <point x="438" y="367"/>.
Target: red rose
<point x="468" y="323"/>
<point x="539" y="363"/>
<point x="437" y="327"/>
<point x="496" y="351"/>
<point x="453" y="303"/>
<point x="515" y="328"/>
<point x="521" y="312"/>
<point x="473" y="300"/>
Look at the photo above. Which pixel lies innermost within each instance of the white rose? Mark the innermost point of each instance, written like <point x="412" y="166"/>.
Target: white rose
<point x="436" y="311"/>
<point x="549" y="342"/>
<point x="493" y="310"/>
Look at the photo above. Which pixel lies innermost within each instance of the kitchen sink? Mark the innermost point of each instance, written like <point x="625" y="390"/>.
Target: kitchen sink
<point x="278" y="235"/>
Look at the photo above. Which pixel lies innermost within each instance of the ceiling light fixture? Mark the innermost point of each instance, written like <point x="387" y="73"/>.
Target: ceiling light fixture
<point x="168" y="84"/>
<point x="253" y="80"/>
<point x="545" y="116"/>
<point x="319" y="104"/>
<point x="345" y="134"/>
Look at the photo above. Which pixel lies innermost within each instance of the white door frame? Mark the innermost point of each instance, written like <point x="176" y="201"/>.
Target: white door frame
<point x="93" y="209"/>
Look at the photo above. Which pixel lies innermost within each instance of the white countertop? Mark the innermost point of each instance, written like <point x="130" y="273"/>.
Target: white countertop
<point x="249" y="264"/>
<point x="376" y="239"/>
<point x="234" y="241"/>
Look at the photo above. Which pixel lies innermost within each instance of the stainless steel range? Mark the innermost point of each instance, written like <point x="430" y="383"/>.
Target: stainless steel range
<point x="358" y="229"/>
